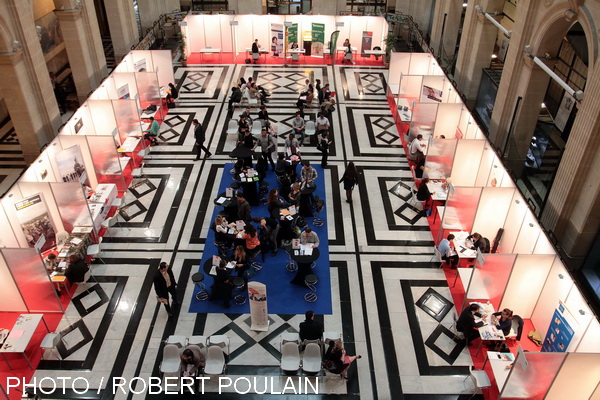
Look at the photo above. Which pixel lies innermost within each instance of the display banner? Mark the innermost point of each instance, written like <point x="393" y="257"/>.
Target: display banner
<point x="560" y="333"/>
<point x="333" y="43"/>
<point x="277" y="39"/>
<point x="318" y="40"/>
<point x="70" y="165"/>
<point x="35" y="221"/>
<point x="366" y="43"/>
<point x="292" y="35"/>
<point x="259" y="317"/>
<point x="140" y="65"/>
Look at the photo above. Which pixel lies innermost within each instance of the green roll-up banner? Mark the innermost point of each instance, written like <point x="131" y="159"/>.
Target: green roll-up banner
<point x="292" y="35"/>
<point x="318" y="39"/>
<point x="333" y="43"/>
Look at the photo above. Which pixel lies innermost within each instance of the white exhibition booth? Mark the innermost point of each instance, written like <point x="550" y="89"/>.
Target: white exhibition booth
<point x="236" y="33"/>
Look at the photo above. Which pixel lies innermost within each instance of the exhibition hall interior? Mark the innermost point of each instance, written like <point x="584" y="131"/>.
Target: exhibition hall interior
<point x="309" y="199"/>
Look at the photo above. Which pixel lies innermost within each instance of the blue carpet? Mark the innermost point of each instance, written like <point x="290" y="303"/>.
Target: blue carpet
<point x="283" y="297"/>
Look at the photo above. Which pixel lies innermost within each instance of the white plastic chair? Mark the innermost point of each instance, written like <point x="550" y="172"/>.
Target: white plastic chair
<point x="295" y="56"/>
<point x="215" y="361"/>
<point x="290" y="358"/>
<point x="178" y="340"/>
<point x="199" y="341"/>
<point x="51" y="340"/>
<point x="255" y="56"/>
<point x="256" y="127"/>
<point x="437" y="256"/>
<point x="94" y="250"/>
<point x="292" y="337"/>
<point x="109" y="223"/>
<point x="219" y="340"/>
<point x="480" y="379"/>
<point x="232" y="127"/>
<point x="311" y="359"/>
<point x="250" y="100"/>
<point x="329" y="336"/>
<point x="171" y="362"/>
<point x="309" y="128"/>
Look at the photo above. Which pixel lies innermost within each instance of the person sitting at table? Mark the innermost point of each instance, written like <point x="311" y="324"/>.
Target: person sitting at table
<point x="264" y="115"/>
<point x="466" y="322"/>
<point x="309" y="237"/>
<point x="479" y="242"/>
<point x="152" y="132"/>
<point x="292" y="143"/>
<point x="322" y="124"/>
<point x="242" y="82"/>
<point x="294" y="45"/>
<point x="255" y="48"/>
<point x="251" y="237"/>
<point x="298" y="127"/>
<point x="241" y="262"/>
<point x="424" y="195"/>
<point x="221" y="228"/>
<point x="274" y="203"/>
<point x="239" y="167"/>
<point x="448" y="252"/>
<point x="236" y="96"/>
<point x="294" y="195"/>
<point x="243" y="207"/>
<point x="504" y="323"/>
<point x="76" y="270"/>
<point x="174" y="92"/>
<point x="420" y="167"/>
<point x="51" y="262"/>
<point x="310" y="329"/>
<point x="221" y="290"/>
<point x="415" y="149"/>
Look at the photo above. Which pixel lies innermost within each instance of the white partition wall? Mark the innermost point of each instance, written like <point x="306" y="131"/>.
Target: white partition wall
<point x="81" y="123"/>
<point x="465" y="165"/>
<point x="526" y="282"/>
<point x="590" y="343"/>
<point x="10" y="298"/>
<point x="69" y="141"/>
<point x="578" y="375"/>
<point x="491" y="211"/>
<point x="580" y="316"/>
<point x="32" y="188"/>
<point x="528" y="236"/>
<point x="225" y="29"/>
<point x="125" y="86"/>
<point x="163" y="66"/>
<point x="399" y="66"/>
<point x="103" y="116"/>
<point x="556" y="288"/>
<point x="142" y="61"/>
<point x="7" y="236"/>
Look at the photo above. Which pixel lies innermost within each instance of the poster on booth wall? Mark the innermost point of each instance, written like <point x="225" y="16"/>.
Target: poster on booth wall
<point x="367" y="42"/>
<point x="259" y="317"/>
<point x="430" y="93"/>
<point x="70" y="165"/>
<point x="277" y="39"/>
<point x="292" y="37"/>
<point x="560" y="333"/>
<point x="318" y="40"/>
<point x="140" y="65"/>
<point x="35" y="221"/>
<point x="123" y="92"/>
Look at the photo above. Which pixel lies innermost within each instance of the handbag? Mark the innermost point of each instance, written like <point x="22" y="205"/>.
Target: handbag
<point x="310" y="185"/>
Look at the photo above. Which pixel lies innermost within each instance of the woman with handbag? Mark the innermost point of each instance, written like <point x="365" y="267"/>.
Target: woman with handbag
<point x="323" y="147"/>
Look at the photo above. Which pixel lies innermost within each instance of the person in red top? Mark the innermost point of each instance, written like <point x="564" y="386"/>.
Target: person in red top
<point x="251" y="238"/>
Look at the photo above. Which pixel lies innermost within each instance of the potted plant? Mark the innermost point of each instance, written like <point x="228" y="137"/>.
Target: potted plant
<point x="390" y="42"/>
<point x="181" y="47"/>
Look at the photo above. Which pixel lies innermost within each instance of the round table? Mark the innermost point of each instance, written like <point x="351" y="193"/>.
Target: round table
<point x="250" y="190"/>
<point x="229" y="206"/>
<point x="304" y="264"/>
<point x="241" y="151"/>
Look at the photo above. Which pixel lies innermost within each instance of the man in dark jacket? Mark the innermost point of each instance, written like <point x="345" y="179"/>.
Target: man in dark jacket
<point x="76" y="270"/>
<point x="164" y="283"/>
<point x="200" y="138"/>
<point x="466" y="322"/>
<point x="310" y="329"/>
<point x="236" y="96"/>
<point x="243" y="208"/>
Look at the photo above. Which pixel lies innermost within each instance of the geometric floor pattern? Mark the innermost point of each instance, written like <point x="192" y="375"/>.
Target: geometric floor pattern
<point x="380" y="252"/>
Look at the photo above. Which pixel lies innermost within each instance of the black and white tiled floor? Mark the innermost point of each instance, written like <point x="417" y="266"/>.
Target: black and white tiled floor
<point x="380" y="252"/>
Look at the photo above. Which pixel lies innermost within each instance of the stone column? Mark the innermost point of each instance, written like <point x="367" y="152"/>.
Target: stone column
<point x="447" y="17"/>
<point x="476" y="48"/>
<point x="572" y="209"/>
<point x="25" y="82"/>
<point x="29" y="113"/>
<point x="420" y="11"/>
<point x="246" y="6"/>
<point x="123" y="26"/>
<point x="86" y="55"/>
<point x="149" y="10"/>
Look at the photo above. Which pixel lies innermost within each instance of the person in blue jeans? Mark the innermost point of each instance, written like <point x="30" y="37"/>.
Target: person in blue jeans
<point x="298" y="126"/>
<point x="152" y="132"/>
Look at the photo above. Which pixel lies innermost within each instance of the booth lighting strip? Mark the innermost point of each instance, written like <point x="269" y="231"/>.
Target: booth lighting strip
<point x="493" y="20"/>
<point x="577" y="95"/>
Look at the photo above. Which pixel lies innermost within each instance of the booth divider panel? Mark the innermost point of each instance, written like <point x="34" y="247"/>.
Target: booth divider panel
<point x="103" y="116"/>
<point x="532" y="381"/>
<point x="440" y="156"/>
<point x="465" y="165"/>
<point x="7" y="235"/>
<point x="555" y="289"/>
<point x="10" y="298"/>
<point x="226" y="33"/>
<point x="81" y="123"/>
<point x="575" y="304"/>
<point x="399" y="66"/>
<point x="126" y="86"/>
<point x="33" y="282"/>
<point x="580" y="374"/>
<point x="529" y="234"/>
<point x="420" y="64"/>
<point x="491" y="279"/>
<point x="72" y="205"/>
<point x="589" y="342"/>
<point x="526" y="283"/>
<point x="106" y="160"/>
<point x="460" y="210"/>
<point x="424" y="119"/>
<point x="212" y="32"/>
<point x="43" y="168"/>
<point x="8" y="204"/>
<point x="128" y="119"/>
<point x="149" y="91"/>
<point x="142" y="61"/>
<point x="410" y="87"/>
<point x="48" y="204"/>
<point x="447" y="119"/>
<point x="88" y="162"/>
<point x="491" y="211"/>
<point x="514" y="221"/>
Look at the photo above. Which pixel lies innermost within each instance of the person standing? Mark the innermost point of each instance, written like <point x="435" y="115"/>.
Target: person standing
<point x="200" y="137"/>
<point x="164" y="283"/>
<point x="174" y="92"/>
<point x="223" y="286"/>
<point x="324" y="148"/>
<point x="243" y="208"/>
<point x="267" y="146"/>
<point x="350" y="178"/>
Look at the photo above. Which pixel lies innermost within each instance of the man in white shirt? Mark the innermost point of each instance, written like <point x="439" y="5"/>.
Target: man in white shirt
<point x="416" y="148"/>
<point x="322" y="124"/>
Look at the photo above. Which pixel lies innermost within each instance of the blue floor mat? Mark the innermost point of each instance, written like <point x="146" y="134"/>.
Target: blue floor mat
<point x="282" y="296"/>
